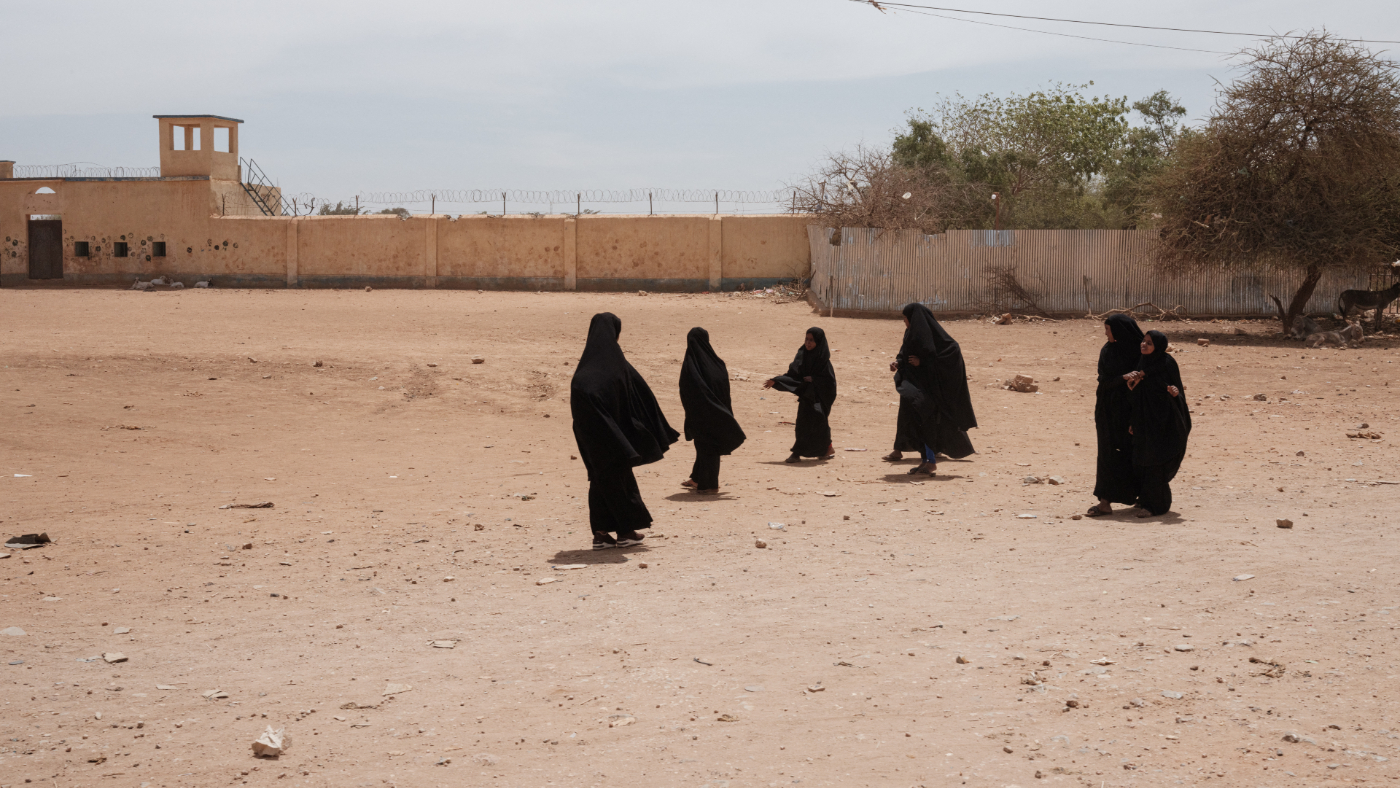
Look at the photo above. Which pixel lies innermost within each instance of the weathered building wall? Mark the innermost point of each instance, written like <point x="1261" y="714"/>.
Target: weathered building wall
<point x="213" y="231"/>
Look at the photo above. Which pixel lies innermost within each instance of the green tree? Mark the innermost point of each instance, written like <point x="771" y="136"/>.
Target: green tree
<point x="340" y="209"/>
<point x="1298" y="168"/>
<point x="1142" y="154"/>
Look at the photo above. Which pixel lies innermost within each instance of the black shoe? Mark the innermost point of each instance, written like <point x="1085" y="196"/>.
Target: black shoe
<point x="603" y="541"/>
<point x="795" y="458"/>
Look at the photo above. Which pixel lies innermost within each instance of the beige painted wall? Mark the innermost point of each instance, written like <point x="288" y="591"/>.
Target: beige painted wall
<point x="213" y="231"/>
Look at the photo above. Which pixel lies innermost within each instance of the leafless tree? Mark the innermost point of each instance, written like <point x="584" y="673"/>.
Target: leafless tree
<point x="1298" y="168"/>
<point x="865" y="188"/>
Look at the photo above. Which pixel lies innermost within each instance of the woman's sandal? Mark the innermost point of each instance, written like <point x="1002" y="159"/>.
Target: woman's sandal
<point x="714" y="491"/>
<point x="1095" y="511"/>
<point x="688" y="483"/>
<point x="923" y="469"/>
<point x="894" y="456"/>
<point x="795" y="458"/>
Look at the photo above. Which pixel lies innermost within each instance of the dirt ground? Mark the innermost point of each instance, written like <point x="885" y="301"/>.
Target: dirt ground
<point x="959" y="630"/>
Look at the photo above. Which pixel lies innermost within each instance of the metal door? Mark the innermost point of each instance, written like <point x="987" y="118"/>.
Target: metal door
<point x="45" y="248"/>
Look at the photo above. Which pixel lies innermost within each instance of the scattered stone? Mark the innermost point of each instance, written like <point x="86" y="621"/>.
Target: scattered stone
<point x="1072" y="704"/>
<point x="1006" y="750"/>
<point x="961" y="660"/>
<point x="121" y="630"/>
<point x="1284" y="523"/>
<point x="166" y="687"/>
<point x="642" y="565"/>
<point x="1240" y="578"/>
<point x="727" y="718"/>
<point x="830" y="493"/>
<point x="97" y="716"/>
<point x="1076" y="517"/>
<point x="1184" y="647"/>
<point x="760" y="544"/>
<point x="753" y="688"/>
<point x="214" y="694"/>
<point x="1261" y="397"/>
<point x="1056" y="480"/>
<point x="1296" y="738"/>
<point x="1184" y="720"/>
<point x="1365" y="435"/>
<point x="201" y="284"/>
<point x="316" y="363"/>
<point x="1022" y="383"/>
<point x="1026" y="516"/>
<point x="449" y="579"/>
<point x="478" y="360"/>
<point x="641" y="292"/>
<point x="816" y="688"/>
<point x="368" y="288"/>
<point x="262" y="505"/>
<point x="479" y="527"/>
<point x="113" y="657"/>
<point x="27" y="541"/>
<point x="395" y="689"/>
<point x="543" y="581"/>
<point x="1240" y="332"/>
<point x="272" y="743"/>
<point x="432" y="365"/>
<point x="566" y="567"/>
<point x="1101" y="661"/>
<point x="444" y="644"/>
<point x="1203" y="342"/>
<point x="777" y="526"/>
<point x="13" y="632"/>
<point x="1172" y="695"/>
<point x="1032" y="480"/>
<point x="1138" y="702"/>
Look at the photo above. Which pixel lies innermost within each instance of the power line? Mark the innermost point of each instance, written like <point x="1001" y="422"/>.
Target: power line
<point x="880" y="4"/>
<point x="1065" y="35"/>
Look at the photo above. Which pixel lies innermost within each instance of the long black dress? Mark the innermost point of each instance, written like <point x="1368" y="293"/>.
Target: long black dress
<point x="709" y="416"/>
<point x="935" y="392"/>
<point x="814" y="399"/>
<point x="618" y="425"/>
<point x="1115" y="480"/>
<point x="1161" y="424"/>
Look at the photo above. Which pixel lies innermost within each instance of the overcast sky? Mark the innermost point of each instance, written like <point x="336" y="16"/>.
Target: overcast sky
<point x="349" y="96"/>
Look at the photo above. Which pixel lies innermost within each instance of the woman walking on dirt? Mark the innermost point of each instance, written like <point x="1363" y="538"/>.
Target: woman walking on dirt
<point x="1160" y="423"/>
<point x="931" y="379"/>
<point x="1115" y="480"/>
<point x="811" y="377"/>
<point x="709" y="416"/>
<point x="618" y="426"/>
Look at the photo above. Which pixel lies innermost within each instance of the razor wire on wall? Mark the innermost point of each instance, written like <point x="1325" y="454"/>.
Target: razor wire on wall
<point x="83" y="169"/>
<point x="528" y="201"/>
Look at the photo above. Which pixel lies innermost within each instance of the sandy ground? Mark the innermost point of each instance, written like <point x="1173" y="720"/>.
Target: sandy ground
<point x="420" y="498"/>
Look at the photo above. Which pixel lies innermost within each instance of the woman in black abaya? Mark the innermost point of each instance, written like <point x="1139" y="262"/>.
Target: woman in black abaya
<point x="811" y="377"/>
<point x="709" y="417"/>
<point x="1160" y="423"/>
<point x="618" y="426"/>
<point x="1115" y="481"/>
<point x="932" y="383"/>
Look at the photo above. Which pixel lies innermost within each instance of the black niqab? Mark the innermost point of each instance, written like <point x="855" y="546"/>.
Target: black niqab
<point x="1115" y="480"/>
<point x="1161" y="423"/>
<point x="815" y="398"/>
<point x="709" y="414"/>
<point x="617" y="421"/>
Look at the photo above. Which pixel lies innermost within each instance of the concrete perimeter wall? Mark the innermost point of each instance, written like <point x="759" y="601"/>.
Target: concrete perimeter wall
<point x="659" y="253"/>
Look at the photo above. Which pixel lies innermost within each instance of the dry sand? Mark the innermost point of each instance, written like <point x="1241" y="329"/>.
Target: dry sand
<point x="1103" y="652"/>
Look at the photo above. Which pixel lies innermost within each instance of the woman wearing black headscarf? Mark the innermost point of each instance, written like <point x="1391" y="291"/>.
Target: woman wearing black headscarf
<point x="811" y="377"/>
<point x="709" y="417"/>
<point x="618" y="426"/>
<point x="932" y="383"/>
<point x="1115" y="481"/>
<point x="1160" y="423"/>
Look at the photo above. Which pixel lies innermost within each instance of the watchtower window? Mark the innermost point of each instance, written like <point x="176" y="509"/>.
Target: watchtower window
<point x="82" y="249"/>
<point x="184" y="137"/>
<point x="158" y="248"/>
<point x="45" y="190"/>
<point x="221" y="139"/>
<point x="120" y="249"/>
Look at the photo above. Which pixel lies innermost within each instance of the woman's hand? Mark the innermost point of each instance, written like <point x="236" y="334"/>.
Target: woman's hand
<point x="1173" y="390"/>
<point x="1130" y="430"/>
<point x="768" y="384"/>
<point x="807" y="379"/>
<point x="894" y="366"/>
<point x="1135" y="375"/>
<point x="913" y="360"/>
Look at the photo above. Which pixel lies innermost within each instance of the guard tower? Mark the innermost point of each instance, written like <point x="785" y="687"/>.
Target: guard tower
<point x="199" y="145"/>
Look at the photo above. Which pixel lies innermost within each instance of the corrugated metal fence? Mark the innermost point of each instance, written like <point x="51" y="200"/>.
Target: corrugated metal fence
<point x="1068" y="271"/>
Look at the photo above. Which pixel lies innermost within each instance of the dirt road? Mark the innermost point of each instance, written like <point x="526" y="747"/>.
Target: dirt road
<point x="420" y="498"/>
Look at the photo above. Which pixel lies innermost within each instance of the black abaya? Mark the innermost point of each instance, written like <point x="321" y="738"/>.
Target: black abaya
<point x="1161" y="425"/>
<point x="814" y="397"/>
<point x="709" y="414"/>
<point x="1115" y="480"/>
<point x="618" y="425"/>
<point x="934" y="392"/>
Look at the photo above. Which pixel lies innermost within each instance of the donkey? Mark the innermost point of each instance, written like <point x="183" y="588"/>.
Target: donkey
<point x="1304" y="327"/>
<point x="1368" y="299"/>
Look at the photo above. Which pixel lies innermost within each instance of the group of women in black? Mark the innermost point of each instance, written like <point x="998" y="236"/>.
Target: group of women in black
<point x="1141" y="415"/>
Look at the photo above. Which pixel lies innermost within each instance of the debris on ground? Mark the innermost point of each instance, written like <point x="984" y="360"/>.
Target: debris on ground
<point x="395" y="689"/>
<point x="1284" y="523"/>
<point x="478" y="360"/>
<point x="272" y="743"/>
<point x="28" y="541"/>
<point x="113" y="657"/>
<point x="263" y="505"/>
<point x="12" y="632"/>
<point x="1022" y="383"/>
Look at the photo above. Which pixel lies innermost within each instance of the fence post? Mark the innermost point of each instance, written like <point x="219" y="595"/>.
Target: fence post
<point x="430" y="252"/>
<point x="716" y="254"/>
